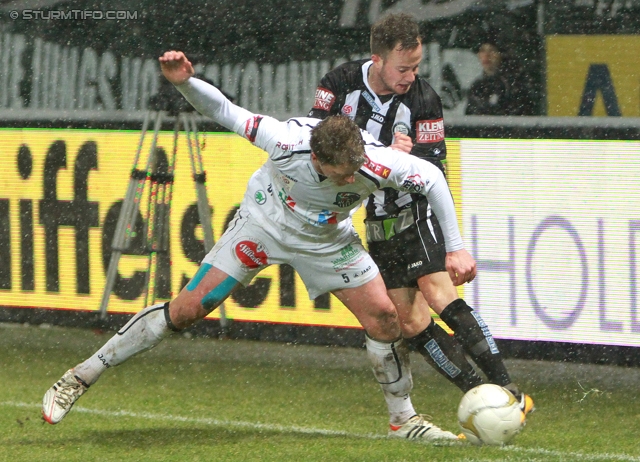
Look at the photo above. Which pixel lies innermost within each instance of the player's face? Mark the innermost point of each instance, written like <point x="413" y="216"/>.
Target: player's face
<point x="340" y="175"/>
<point x="397" y="71"/>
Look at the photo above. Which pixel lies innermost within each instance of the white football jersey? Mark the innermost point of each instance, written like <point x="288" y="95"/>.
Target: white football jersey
<point x="294" y="198"/>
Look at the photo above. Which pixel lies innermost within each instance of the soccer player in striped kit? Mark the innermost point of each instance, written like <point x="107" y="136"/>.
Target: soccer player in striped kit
<point x="385" y="96"/>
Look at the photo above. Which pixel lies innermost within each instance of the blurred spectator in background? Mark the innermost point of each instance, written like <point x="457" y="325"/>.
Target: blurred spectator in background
<point x="490" y="94"/>
<point x="498" y="91"/>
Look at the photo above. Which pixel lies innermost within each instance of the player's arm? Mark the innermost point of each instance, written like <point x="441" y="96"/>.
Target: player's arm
<point x="211" y="102"/>
<point x="328" y="96"/>
<point x="427" y="130"/>
<point x="417" y="176"/>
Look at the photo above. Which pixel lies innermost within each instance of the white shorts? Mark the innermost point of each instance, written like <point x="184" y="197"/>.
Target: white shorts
<point x="246" y="248"/>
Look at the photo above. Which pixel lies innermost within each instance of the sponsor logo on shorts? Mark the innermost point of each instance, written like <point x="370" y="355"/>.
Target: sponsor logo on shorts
<point x="349" y="256"/>
<point x="401" y="127"/>
<point x="372" y="102"/>
<point x="260" y="197"/>
<point x="376" y="168"/>
<point x="415" y="264"/>
<point x="345" y="199"/>
<point x="413" y="184"/>
<point x="429" y="131"/>
<point x="251" y="254"/>
<point x="362" y="273"/>
<point x="324" y="99"/>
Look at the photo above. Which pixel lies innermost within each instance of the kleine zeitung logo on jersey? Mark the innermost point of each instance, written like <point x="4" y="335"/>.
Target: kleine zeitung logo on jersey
<point x="429" y="131"/>
<point x="324" y="99"/>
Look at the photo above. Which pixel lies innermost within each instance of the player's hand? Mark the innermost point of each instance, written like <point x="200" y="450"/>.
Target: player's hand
<point x="176" y="67"/>
<point x="402" y="142"/>
<point x="461" y="267"/>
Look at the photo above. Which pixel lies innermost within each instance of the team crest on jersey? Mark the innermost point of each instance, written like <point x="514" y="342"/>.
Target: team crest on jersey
<point x="345" y="199"/>
<point x="324" y="99"/>
<point x="376" y="168"/>
<point x="429" y="131"/>
<point x="401" y="127"/>
<point x="413" y="183"/>
<point x="251" y="254"/>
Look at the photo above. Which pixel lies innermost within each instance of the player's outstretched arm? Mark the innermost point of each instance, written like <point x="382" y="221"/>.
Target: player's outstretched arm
<point x="410" y="174"/>
<point x="176" y="67"/>
<point x="205" y="98"/>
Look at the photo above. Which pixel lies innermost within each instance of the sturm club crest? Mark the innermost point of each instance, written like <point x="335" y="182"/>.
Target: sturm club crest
<point x="401" y="127"/>
<point x="345" y="199"/>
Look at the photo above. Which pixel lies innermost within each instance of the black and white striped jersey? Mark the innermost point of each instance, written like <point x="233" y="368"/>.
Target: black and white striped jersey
<point x="418" y="113"/>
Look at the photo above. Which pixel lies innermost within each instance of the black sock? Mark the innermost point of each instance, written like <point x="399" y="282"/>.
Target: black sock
<point x="446" y="356"/>
<point x="471" y="331"/>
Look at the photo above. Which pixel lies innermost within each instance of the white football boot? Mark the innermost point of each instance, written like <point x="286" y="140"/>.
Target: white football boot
<point x="417" y="428"/>
<point x="59" y="399"/>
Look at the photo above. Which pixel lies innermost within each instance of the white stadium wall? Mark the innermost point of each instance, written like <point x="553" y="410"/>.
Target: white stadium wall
<point x="555" y="229"/>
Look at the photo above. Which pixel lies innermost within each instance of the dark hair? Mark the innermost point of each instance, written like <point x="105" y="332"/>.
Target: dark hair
<point x="337" y="141"/>
<point x="393" y="30"/>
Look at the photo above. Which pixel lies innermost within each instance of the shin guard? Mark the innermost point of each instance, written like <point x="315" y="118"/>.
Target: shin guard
<point x="392" y="370"/>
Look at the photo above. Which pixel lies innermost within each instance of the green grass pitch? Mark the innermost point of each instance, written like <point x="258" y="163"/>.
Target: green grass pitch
<point x="198" y="399"/>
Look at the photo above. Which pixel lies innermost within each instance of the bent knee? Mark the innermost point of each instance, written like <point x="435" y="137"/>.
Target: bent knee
<point x="386" y="313"/>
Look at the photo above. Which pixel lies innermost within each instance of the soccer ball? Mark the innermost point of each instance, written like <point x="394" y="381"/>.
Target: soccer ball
<point x="489" y="414"/>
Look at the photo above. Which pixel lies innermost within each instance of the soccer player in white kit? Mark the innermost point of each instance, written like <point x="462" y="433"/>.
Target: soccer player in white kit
<point x="296" y="210"/>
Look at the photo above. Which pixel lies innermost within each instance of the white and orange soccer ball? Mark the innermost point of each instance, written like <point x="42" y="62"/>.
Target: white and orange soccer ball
<point x="489" y="414"/>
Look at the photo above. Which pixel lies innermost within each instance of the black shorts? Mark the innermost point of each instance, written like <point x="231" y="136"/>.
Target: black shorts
<point x="413" y="253"/>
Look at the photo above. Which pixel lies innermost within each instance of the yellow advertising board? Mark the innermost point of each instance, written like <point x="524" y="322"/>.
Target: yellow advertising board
<point x="593" y="75"/>
<point x="60" y="196"/>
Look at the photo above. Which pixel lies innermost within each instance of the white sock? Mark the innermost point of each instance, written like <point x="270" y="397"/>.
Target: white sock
<point x="144" y="331"/>
<point x="392" y="369"/>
